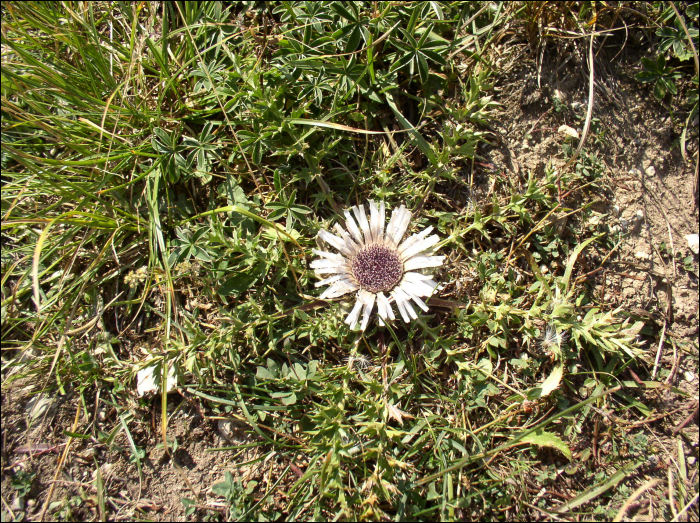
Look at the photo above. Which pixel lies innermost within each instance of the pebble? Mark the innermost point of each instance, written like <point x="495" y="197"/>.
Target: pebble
<point x="641" y="255"/>
<point x="689" y="376"/>
<point x="651" y="170"/>
<point x="692" y="242"/>
<point x="691" y="460"/>
<point x="639" y="215"/>
<point x="568" y="131"/>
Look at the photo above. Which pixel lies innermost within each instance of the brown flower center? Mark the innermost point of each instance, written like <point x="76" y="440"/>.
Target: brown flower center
<point x="377" y="268"/>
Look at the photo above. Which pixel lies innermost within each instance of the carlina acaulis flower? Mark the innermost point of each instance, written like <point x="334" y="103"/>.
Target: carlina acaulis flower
<point x="373" y="262"/>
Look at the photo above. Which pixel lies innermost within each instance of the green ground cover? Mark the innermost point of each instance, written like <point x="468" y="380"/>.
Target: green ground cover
<point x="166" y="168"/>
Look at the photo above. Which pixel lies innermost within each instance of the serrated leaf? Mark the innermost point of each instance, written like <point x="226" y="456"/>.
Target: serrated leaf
<point x="541" y="438"/>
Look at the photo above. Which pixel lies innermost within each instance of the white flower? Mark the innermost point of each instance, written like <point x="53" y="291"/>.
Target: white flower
<point x="374" y="261"/>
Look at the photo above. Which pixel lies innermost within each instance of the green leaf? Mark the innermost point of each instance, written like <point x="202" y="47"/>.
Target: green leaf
<point x="541" y="438"/>
<point x="415" y="135"/>
<point x="287" y="398"/>
<point x="484" y="368"/>
<point x="646" y="76"/>
<point x="236" y="285"/>
<point x="264" y="374"/>
<point x="572" y="261"/>
<point x="189" y="505"/>
<point x="354" y="40"/>
<point x="661" y="62"/>
<point x="659" y="91"/>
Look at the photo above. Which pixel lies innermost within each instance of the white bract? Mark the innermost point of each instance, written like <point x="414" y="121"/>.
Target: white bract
<point x="372" y="260"/>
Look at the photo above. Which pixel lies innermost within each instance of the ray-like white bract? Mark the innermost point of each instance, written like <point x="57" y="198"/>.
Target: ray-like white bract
<point x="374" y="262"/>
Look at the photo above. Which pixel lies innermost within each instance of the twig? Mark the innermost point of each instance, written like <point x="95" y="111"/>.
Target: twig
<point x="637" y="493"/>
<point x="61" y="462"/>
<point x="596" y="432"/>
<point x="674" y="367"/>
<point x="208" y="507"/>
<point x="9" y="509"/>
<point x="589" y="112"/>
<point x="686" y="420"/>
<point x="546" y="512"/>
<point x="658" y="351"/>
<point x="685" y="509"/>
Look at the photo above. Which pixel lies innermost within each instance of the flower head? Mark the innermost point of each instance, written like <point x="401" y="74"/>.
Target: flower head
<point x="552" y="340"/>
<point x="372" y="260"/>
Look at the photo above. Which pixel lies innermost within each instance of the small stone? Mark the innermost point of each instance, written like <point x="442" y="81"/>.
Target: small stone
<point x="692" y="242"/>
<point x="691" y="460"/>
<point x="639" y="215"/>
<point x="544" y="269"/>
<point x="641" y="255"/>
<point x="689" y="376"/>
<point x="616" y="210"/>
<point x="568" y="131"/>
<point x="650" y="171"/>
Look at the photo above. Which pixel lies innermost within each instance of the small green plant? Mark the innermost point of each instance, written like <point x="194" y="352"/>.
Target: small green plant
<point x="674" y="38"/>
<point x="241" y="505"/>
<point x="662" y="76"/>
